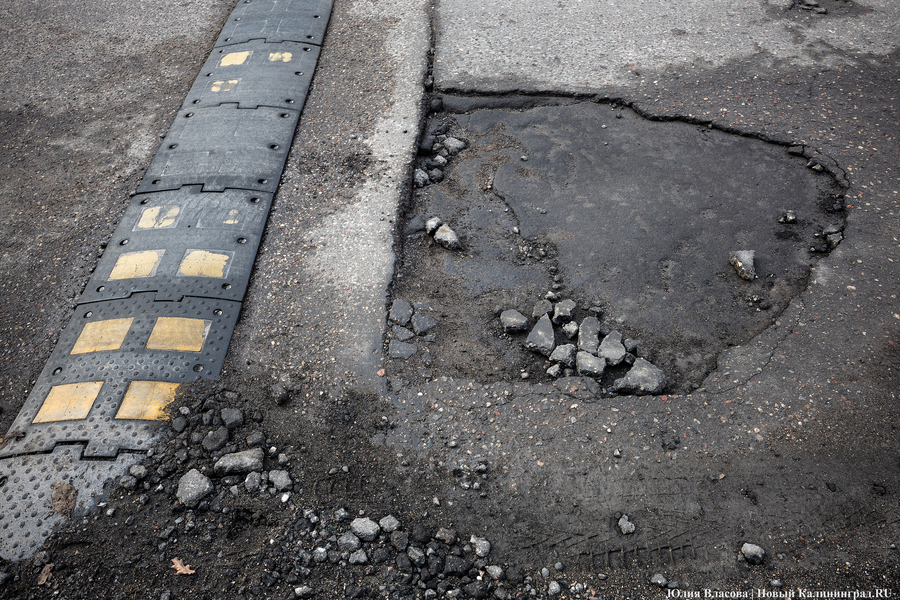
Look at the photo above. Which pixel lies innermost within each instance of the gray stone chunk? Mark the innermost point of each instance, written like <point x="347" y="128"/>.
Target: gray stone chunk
<point x="436" y="175"/>
<point x="215" y="439"/>
<point x="420" y="178"/>
<point x="432" y="225"/>
<point x="513" y="321"/>
<point x="659" y="580"/>
<point x="570" y="329"/>
<point x="543" y="307"/>
<point x="349" y="542"/>
<point x="416" y="556"/>
<point x="588" y="364"/>
<point x="422" y="324"/>
<point x="447" y="238"/>
<point x="562" y="311"/>
<point x="399" y="540"/>
<point x="541" y="338"/>
<point x="232" y="418"/>
<point x="643" y="378"/>
<point x="612" y="349"/>
<point x="305" y="592"/>
<point x="453" y="145"/>
<point x="742" y="261"/>
<point x="481" y="545"/>
<point x="193" y="487"/>
<point x="359" y="558"/>
<point x="564" y="354"/>
<point x="448" y="536"/>
<point x="626" y="526"/>
<point x="401" y="312"/>
<point x="589" y="335"/>
<point x="365" y="529"/>
<point x="389" y="524"/>
<point x="281" y="480"/>
<point x="554" y="370"/>
<point x="239" y="463"/>
<point x="402" y="333"/>
<point x="252" y="481"/>
<point x="401" y="350"/>
<point x="753" y="554"/>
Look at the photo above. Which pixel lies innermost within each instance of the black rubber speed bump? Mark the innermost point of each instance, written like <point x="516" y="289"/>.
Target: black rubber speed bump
<point x="256" y="74"/>
<point x="183" y="243"/>
<point x="223" y="147"/>
<point x="275" y="21"/>
<point x="121" y="360"/>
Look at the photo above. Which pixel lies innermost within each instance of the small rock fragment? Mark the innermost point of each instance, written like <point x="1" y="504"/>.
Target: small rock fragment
<point x="281" y="480"/>
<point x="659" y="580"/>
<point x="365" y="529"/>
<point x="401" y="312"/>
<point x="420" y="178"/>
<point x="570" y="329"/>
<point x="239" y="463"/>
<point x="562" y="311"/>
<point x="564" y="355"/>
<point x="422" y="324"/>
<point x="447" y="238"/>
<point x="432" y="224"/>
<point x="554" y="588"/>
<point x="454" y="145"/>
<point x="742" y="261"/>
<point x="216" y="439"/>
<point x="588" y="364"/>
<point x="788" y="217"/>
<point x="643" y="378"/>
<point x="389" y="524"/>
<point x="513" y="321"/>
<point x="193" y="487"/>
<point x="626" y="526"/>
<point x="753" y="554"/>
<point x="589" y="335"/>
<point x="543" y="307"/>
<point x="612" y="348"/>
<point x="280" y="393"/>
<point x="349" y="542"/>
<point x="232" y="418"/>
<point x="541" y="338"/>
<point x="401" y="350"/>
<point x="481" y="545"/>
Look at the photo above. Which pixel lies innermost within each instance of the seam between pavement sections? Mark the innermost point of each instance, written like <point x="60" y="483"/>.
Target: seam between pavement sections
<point x="161" y="306"/>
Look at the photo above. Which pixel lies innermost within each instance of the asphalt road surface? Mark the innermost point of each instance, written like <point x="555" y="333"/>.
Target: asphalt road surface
<point x="790" y="442"/>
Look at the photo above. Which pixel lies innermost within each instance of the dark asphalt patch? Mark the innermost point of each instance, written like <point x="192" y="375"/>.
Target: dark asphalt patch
<point x="610" y="209"/>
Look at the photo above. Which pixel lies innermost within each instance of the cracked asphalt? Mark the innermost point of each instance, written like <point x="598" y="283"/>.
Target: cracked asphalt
<point x="790" y="442"/>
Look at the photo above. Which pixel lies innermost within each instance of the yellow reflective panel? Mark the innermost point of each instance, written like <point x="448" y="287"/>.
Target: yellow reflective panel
<point x="202" y="263"/>
<point x="146" y="400"/>
<point x="234" y="58"/>
<point x="233" y="217"/>
<point x="102" y="335"/>
<point x="136" y="264"/>
<point x="280" y="57"/>
<point x="69" y="402"/>
<point x="223" y="86"/>
<point x="178" y="333"/>
<point x="158" y="217"/>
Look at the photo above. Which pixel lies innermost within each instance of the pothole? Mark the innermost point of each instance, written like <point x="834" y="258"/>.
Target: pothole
<point x="633" y="220"/>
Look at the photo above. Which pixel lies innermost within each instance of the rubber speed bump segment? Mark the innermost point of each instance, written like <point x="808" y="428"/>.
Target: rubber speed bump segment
<point x="205" y="244"/>
<point x="223" y="147"/>
<point x="277" y="21"/>
<point x="256" y="74"/>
